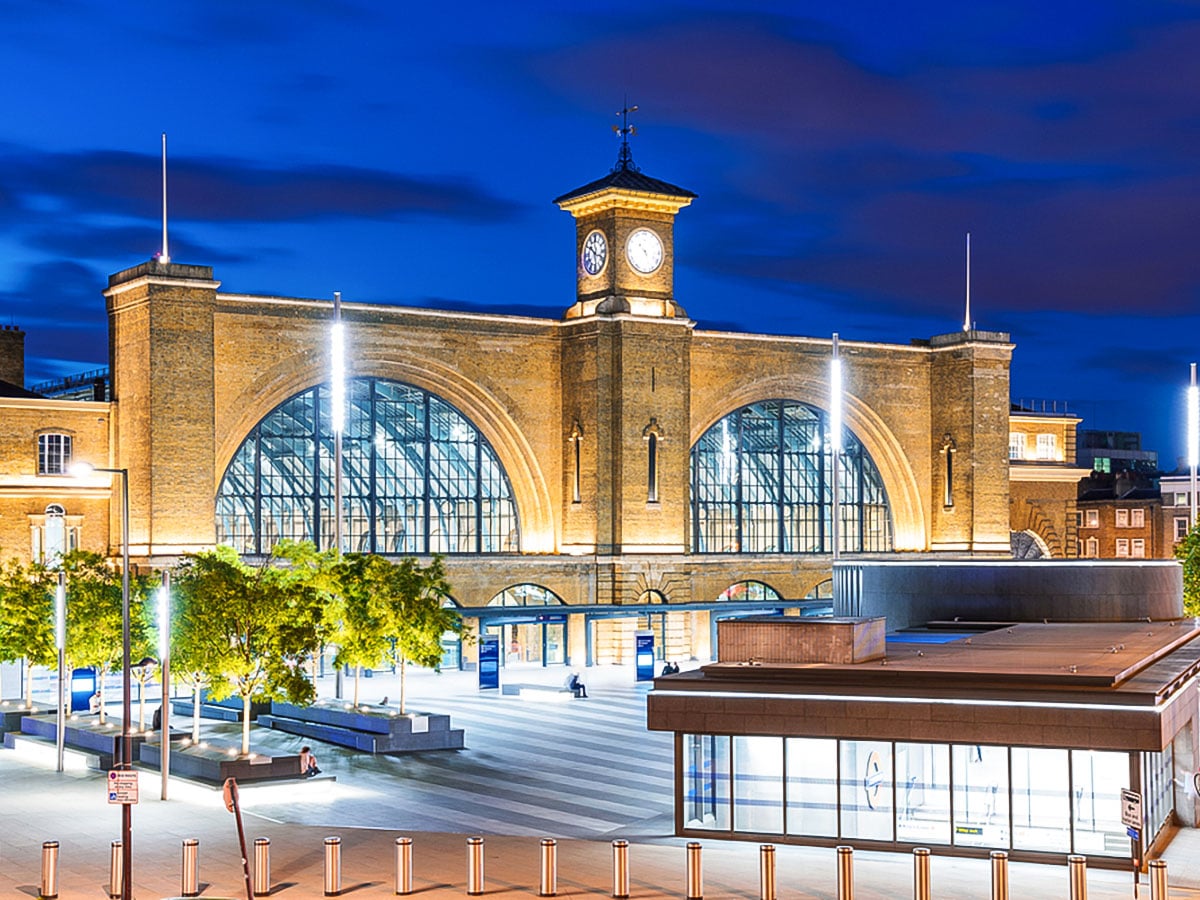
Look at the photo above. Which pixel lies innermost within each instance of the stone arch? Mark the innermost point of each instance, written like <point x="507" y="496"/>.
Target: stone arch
<point x="899" y="481"/>
<point x="485" y="411"/>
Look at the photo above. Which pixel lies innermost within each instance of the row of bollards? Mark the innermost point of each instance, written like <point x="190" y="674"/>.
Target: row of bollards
<point x="548" y="887"/>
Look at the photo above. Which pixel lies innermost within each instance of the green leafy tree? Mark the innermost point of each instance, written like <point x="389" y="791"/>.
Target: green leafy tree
<point x="249" y="628"/>
<point x="27" y="618"/>
<point x="416" y="617"/>
<point x="362" y="608"/>
<point x="313" y="568"/>
<point x="1187" y="552"/>
<point x="95" y="618"/>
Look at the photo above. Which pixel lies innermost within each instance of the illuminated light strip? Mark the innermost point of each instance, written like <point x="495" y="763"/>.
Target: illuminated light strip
<point x="60" y="615"/>
<point x="1193" y="423"/>
<point x="337" y="387"/>
<point x="939" y="701"/>
<point x="164" y="622"/>
<point x="835" y="399"/>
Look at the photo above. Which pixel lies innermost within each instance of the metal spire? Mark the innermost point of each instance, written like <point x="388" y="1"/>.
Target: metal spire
<point x="967" y="316"/>
<point x="165" y="255"/>
<point x="623" y="131"/>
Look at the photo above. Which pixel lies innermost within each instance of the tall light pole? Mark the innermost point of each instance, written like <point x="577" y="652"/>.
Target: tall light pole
<point x="1193" y="441"/>
<point x="60" y="644"/>
<point x="82" y="469"/>
<point x="164" y="659"/>
<point x="337" y="421"/>
<point x="835" y="439"/>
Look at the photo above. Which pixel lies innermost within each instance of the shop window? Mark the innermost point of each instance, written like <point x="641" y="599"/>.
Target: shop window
<point x="706" y="781"/>
<point x="1097" y="781"/>
<point x="758" y="784"/>
<point x="812" y="787"/>
<point x="1041" y="800"/>
<point x="54" y="454"/>
<point x="923" y="793"/>
<point x="980" y="795"/>
<point x="866" y="790"/>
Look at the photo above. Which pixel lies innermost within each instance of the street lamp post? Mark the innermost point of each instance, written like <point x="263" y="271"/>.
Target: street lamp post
<point x="164" y="657"/>
<point x="1193" y="443"/>
<point x="835" y="442"/>
<point x="126" y="763"/>
<point x="60" y="644"/>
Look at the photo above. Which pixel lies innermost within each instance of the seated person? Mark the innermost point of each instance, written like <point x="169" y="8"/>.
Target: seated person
<point x="576" y="686"/>
<point x="308" y="763"/>
<point x="94" y="703"/>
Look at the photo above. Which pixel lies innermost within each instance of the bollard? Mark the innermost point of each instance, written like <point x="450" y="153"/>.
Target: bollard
<point x="403" y="865"/>
<point x="845" y="873"/>
<point x="921" y="889"/>
<point x="333" y="866"/>
<point x="620" y="889"/>
<point x="766" y="872"/>
<point x="695" y="877"/>
<point x="262" y="866"/>
<point x="999" y="875"/>
<point x="116" y="871"/>
<point x="49" y="870"/>
<point x="549" y="887"/>
<point x="474" y="866"/>
<point x="189" y="879"/>
<point x="1158" y="879"/>
<point x="1077" y="868"/>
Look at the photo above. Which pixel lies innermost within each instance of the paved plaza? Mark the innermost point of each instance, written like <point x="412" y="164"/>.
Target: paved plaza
<point x="585" y="772"/>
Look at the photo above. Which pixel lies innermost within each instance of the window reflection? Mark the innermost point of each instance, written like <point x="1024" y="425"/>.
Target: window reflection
<point x="980" y="795"/>
<point x="1041" y="799"/>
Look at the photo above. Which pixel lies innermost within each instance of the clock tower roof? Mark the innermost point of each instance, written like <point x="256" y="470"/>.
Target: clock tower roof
<point x="627" y="178"/>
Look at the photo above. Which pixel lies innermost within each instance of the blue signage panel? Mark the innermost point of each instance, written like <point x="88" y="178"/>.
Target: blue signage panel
<point x="644" y="655"/>
<point x="489" y="661"/>
<point x="83" y="685"/>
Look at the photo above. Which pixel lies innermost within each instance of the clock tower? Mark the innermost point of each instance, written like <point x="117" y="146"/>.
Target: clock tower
<point x="624" y="240"/>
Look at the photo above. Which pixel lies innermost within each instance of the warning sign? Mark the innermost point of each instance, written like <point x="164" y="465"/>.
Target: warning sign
<point x="122" y="786"/>
<point x="1131" y="808"/>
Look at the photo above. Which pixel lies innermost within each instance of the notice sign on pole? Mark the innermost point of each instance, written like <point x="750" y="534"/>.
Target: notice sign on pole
<point x="1131" y="808"/>
<point x="122" y="786"/>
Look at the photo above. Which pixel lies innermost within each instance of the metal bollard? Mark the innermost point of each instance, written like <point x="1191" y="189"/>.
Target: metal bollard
<point x="766" y="872"/>
<point x="262" y="866"/>
<point x="1158" y="879"/>
<point x="189" y="879"/>
<point x="403" y="865"/>
<point x="474" y="866"/>
<point x="333" y="866"/>
<point x="695" y="876"/>
<point x="116" y="871"/>
<point x="1077" y="868"/>
<point x="620" y="888"/>
<point x="921" y="873"/>
<point x="549" y="886"/>
<point x="49" y="870"/>
<point x="845" y="873"/>
<point x="999" y="875"/>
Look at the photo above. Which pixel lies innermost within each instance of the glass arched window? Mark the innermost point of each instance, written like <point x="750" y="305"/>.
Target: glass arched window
<point x="749" y="590"/>
<point x="652" y="596"/>
<point x="761" y="483"/>
<point x="417" y="477"/>
<point x="526" y="595"/>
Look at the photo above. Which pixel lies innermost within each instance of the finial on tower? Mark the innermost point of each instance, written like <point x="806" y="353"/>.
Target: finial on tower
<point x="967" y="315"/>
<point x="625" y="156"/>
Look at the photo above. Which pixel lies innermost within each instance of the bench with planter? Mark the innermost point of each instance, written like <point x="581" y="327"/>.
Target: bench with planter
<point x="370" y="729"/>
<point x="549" y="692"/>
<point x="212" y="763"/>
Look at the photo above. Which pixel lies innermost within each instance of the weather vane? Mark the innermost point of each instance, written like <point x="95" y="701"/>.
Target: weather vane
<point x="623" y="131"/>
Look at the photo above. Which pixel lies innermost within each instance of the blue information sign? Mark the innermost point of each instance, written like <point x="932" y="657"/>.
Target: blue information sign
<point x="83" y="685"/>
<point x="644" y="655"/>
<point x="489" y="661"/>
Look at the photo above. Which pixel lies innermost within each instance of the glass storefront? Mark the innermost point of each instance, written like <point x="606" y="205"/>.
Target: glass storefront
<point x="966" y="795"/>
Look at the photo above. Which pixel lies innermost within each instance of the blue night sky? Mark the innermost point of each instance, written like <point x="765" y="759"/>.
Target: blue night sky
<point x="408" y="153"/>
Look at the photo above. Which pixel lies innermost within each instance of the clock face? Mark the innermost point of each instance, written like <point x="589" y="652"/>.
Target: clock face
<point x="595" y="253"/>
<point x="644" y="251"/>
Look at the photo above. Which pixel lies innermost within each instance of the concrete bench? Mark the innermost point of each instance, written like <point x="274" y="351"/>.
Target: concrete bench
<point x="550" y="693"/>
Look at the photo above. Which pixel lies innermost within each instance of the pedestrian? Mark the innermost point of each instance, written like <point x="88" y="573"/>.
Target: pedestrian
<point x="576" y="686"/>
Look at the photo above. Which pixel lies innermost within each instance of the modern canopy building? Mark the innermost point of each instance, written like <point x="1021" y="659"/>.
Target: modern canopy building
<point x="613" y="469"/>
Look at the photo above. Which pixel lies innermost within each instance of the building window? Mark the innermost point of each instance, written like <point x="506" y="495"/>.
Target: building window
<point x="1137" y="548"/>
<point x="1047" y="446"/>
<point x="1181" y="499"/>
<point x="652" y="434"/>
<point x="54" y="454"/>
<point x="761" y="482"/>
<point x="52" y="534"/>
<point x="1078" y="519"/>
<point x="1122" y="548"/>
<point x="576" y="438"/>
<point x="1137" y="518"/>
<point x="1181" y="528"/>
<point x="1091" y="548"/>
<point x="1122" y="518"/>
<point x="1093" y="518"/>
<point x="1016" y="445"/>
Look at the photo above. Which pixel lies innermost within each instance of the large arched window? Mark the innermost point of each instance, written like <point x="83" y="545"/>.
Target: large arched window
<point x="761" y="483"/>
<point x="749" y="590"/>
<point x="417" y="477"/>
<point x="526" y="595"/>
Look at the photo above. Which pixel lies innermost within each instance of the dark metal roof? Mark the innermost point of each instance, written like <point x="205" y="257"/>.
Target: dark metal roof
<point x="12" y="390"/>
<point x="630" y="179"/>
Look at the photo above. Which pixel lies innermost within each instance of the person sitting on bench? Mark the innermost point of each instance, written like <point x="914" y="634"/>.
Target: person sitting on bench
<point x="308" y="763"/>
<point x="576" y="686"/>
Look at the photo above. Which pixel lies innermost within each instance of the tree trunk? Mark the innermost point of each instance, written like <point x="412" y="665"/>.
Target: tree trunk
<point x="196" y="712"/>
<point x="245" y="725"/>
<point x="29" y="683"/>
<point x="141" y="704"/>
<point x="403" y="684"/>
<point x="357" y="676"/>
<point x="100" y="690"/>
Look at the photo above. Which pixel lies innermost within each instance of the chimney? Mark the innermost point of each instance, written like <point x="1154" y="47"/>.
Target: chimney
<point x="12" y="355"/>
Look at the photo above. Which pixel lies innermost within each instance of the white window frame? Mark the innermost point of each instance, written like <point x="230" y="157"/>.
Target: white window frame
<point x="1017" y="445"/>
<point x="1181" y="528"/>
<point x="1092" y="518"/>
<point x="1137" y="518"/>
<point x="1137" y="548"/>
<point x="1092" y="548"/>
<point x="54" y="450"/>
<point x="1122" y="548"/>
<point x="1122" y="518"/>
<point x="1047" y="446"/>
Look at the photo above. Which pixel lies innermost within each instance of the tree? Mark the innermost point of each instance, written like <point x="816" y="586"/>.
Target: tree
<point x="416" y="617"/>
<point x="27" y="618"/>
<point x="1187" y="552"/>
<point x="362" y="608"/>
<point x="248" y="628"/>
<point x="95" y="619"/>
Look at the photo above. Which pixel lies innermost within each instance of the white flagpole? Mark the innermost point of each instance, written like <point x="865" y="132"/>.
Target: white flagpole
<point x="165" y="256"/>
<point x="967" y="315"/>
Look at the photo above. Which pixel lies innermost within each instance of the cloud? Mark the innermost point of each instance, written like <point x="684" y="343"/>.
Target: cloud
<point x="104" y="243"/>
<point x="223" y="189"/>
